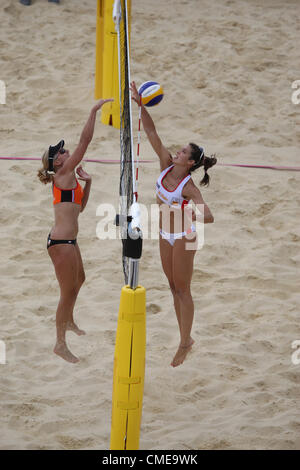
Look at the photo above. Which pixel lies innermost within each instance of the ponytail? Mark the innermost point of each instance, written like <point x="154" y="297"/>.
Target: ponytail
<point x="208" y="163"/>
<point x="43" y="173"/>
<point x="44" y="176"/>
<point x="202" y="160"/>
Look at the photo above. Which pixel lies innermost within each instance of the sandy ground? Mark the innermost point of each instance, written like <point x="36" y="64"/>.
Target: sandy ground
<point x="227" y="68"/>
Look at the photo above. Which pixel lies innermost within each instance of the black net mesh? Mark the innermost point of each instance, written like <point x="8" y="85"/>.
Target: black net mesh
<point x="126" y="170"/>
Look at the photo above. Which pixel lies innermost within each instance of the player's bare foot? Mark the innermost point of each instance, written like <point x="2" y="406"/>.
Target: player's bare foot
<point x="73" y="327"/>
<point x="63" y="351"/>
<point x="181" y="353"/>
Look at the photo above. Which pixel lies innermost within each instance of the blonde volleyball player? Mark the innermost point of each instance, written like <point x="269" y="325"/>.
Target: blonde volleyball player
<point x="69" y="199"/>
<point x="174" y="189"/>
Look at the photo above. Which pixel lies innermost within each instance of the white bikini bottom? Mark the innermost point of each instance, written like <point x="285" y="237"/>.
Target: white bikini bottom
<point x="172" y="237"/>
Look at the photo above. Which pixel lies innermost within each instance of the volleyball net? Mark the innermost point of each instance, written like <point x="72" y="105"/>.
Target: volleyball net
<point x="128" y="219"/>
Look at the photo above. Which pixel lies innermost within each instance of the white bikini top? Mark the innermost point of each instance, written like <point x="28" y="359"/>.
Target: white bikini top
<point x="172" y="198"/>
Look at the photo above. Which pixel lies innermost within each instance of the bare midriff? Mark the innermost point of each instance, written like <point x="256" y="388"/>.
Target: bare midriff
<point x="66" y="221"/>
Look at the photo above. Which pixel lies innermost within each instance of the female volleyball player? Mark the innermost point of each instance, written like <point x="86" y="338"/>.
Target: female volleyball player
<point x="174" y="189"/>
<point x="69" y="199"/>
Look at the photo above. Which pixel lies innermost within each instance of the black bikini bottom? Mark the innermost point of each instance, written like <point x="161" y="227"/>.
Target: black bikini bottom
<point x="51" y="242"/>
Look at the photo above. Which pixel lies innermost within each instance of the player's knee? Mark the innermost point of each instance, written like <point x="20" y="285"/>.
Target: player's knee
<point x="181" y="290"/>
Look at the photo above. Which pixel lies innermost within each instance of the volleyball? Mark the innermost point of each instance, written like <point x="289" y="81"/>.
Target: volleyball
<point x="151" y="93"/>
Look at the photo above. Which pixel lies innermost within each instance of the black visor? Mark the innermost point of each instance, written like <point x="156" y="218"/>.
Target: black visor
<point x="52" y="152"/>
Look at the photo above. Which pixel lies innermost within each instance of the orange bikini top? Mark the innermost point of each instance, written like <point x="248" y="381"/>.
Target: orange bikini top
<point x="67" y="195"/>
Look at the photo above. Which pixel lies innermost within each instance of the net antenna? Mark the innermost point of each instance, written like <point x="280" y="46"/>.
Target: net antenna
<point x="129" y="217"/>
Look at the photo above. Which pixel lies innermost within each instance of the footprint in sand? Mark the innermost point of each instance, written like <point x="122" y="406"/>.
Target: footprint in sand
<point x="153" y="308"/>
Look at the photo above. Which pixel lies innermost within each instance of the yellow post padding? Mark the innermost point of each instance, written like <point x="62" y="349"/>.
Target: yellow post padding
<point x="107" y="69"/>
<point x="129" y="370"/>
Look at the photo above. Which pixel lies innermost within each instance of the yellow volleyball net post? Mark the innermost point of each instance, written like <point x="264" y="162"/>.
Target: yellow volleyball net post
<point x="113" y="79"/>
<point x="129" y="370"/>
<point x="107" y="68"/>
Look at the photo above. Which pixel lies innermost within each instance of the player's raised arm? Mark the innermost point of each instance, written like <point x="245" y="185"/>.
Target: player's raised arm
<point x="85" y="138"/>
<point x="149" y="128"/>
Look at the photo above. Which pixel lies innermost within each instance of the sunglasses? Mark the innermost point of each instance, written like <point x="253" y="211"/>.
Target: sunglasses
<point x="51" y="160"/>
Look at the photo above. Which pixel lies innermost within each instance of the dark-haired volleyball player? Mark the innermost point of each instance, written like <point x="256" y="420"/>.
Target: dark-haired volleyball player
<point x="174" y="189"/>
<point x="69" y="199"/>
